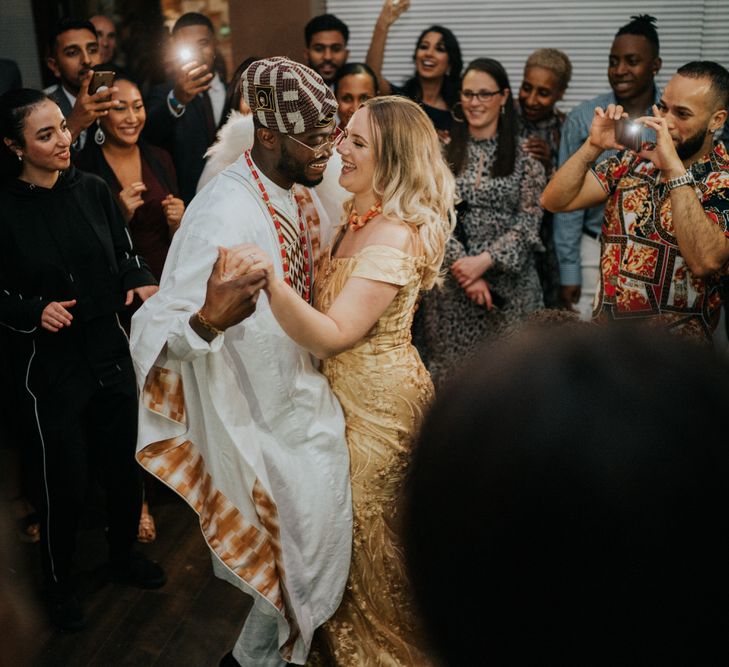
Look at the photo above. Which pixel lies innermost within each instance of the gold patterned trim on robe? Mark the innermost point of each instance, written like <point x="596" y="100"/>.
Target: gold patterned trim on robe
<point x="311" y="217"/>
<point x="252" y="554"/>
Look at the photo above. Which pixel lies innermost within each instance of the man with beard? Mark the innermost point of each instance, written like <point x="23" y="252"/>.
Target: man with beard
<point x="73" y="51"/>
<point x="665" y="237"/>
<point x="633" y="65"/>
<point x="234" y="415"/>
<point x="326" y="46"/>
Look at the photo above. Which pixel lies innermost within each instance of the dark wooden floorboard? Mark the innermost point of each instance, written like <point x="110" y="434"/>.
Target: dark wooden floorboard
<point x="191" y="621"/>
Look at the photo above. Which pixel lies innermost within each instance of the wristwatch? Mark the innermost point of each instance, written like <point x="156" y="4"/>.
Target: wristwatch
<point x="174" y="102"/>
<point x="684" y="179"/>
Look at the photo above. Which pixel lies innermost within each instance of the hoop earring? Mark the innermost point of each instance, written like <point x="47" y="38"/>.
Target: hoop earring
<point x="99" y="136"/>
<point x="458" y="119"/>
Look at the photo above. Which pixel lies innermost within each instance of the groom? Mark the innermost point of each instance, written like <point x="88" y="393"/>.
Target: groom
<point x="234" y="415"/>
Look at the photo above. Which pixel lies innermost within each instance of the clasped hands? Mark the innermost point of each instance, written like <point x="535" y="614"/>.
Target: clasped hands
<point x="234" y="285"/>
<point x="468" y="271"/>
<point x="662" y="154"/>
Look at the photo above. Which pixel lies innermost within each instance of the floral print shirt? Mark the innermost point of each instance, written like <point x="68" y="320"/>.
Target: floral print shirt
<point x="642" y="272"/>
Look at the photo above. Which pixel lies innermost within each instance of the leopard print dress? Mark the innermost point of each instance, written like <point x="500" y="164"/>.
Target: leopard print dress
<point x="503" y="217"/>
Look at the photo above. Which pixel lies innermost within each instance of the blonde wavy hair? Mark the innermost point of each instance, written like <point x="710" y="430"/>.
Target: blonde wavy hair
<point x="411" y="176"/>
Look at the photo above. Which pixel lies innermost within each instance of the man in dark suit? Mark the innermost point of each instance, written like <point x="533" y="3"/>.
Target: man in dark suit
<point x="73" y="51"/>
<point x="9" y="76"/>
<point x="182" y="114"/>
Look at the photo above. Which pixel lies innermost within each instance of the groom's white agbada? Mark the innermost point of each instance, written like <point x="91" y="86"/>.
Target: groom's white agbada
<point x="244" y="427"/>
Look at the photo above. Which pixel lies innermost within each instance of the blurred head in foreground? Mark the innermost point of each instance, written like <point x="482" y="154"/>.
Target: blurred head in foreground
<point x="568" y="503"/>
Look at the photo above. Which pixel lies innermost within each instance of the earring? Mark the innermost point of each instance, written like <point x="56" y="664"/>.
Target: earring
<point x="458" y="107"/>
<point x="99" y="136"/>
<point x="503" y="109"/>
<point x="20" y="157"/>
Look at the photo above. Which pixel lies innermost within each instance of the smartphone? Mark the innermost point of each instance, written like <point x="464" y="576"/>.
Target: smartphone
<point x="628" y="133"/>
<point x="187" y="53"/>
<point x="101" y="80"/>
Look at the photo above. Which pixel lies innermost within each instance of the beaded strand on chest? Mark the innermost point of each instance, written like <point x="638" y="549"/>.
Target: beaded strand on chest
<point x="281" y="240"/>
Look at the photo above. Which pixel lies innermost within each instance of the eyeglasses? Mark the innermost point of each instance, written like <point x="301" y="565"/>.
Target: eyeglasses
<point x="480" y="95"/>
<point x="321" y="149"/>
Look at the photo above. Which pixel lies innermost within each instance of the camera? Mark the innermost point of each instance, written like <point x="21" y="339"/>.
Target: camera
<point x="628" y="133"/>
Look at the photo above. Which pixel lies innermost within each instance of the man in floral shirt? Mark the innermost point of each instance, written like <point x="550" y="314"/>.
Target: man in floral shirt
<point x="665" y="239"/>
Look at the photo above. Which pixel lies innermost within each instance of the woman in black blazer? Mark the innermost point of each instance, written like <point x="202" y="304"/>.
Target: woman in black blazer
<point x="67" y="267"/>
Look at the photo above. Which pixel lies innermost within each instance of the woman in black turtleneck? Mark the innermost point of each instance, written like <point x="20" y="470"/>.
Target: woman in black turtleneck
<point x="67" y="267"/>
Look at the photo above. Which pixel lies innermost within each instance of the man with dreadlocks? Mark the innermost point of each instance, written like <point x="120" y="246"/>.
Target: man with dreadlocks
<point x="633" y="65"/>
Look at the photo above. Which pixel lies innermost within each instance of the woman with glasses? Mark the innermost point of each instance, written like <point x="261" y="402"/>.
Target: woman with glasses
<point x="438" y="64"/>
<point x="492" y="282"/>
<point x="390" y="249"/>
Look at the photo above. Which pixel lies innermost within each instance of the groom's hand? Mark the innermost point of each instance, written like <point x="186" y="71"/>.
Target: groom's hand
<point x="230" y="301"/>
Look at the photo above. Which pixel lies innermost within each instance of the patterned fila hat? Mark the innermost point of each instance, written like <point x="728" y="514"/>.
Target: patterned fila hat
<point x="286" y="96"/>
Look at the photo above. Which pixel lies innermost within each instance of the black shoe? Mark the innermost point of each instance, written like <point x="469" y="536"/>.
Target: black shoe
<point x="229" y="661"/>
<point x="137" y="570"/>
<point x="67" y="614"/>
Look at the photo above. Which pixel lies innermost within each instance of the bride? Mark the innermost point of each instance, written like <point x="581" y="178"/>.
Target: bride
<point x="390" y="247"/>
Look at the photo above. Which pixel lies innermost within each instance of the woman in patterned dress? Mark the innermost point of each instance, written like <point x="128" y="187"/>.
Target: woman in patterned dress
<point x="367" y="285"/>
<point x="492" y="282"/>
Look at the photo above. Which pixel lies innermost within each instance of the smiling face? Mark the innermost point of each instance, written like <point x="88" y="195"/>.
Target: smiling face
<point x="77" y="51"/>
<point x="326" y="53"/>
<point x="539" y="93"/>
<point x="358" y="157"/>
<point x="689" y="107"/>
<point x="47" y="141"/>
<point x="632" y="67"/>
<point x="300" y="163"/>
<point x="482" y="116"/>
<point x="353" y="91"/>
<point x="126" y="118"/>
<point x="431" y="57"/>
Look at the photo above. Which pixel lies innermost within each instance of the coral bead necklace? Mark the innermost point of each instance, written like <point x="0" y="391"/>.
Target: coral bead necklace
<point x="357" y="222"/>
<point x="279" y="232"/>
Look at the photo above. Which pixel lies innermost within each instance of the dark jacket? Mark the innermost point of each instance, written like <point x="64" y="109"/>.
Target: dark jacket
<point x="186" y="137"/>
<point x="34" y="267"/>
<point x="92" y="159"/>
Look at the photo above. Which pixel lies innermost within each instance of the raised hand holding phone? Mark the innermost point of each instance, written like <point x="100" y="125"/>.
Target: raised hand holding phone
<point x="192" y="77"/>
<point x="89" y="107"/>
<point x="603" y="128"/>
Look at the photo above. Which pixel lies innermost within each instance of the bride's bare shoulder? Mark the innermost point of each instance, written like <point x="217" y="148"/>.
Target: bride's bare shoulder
<point x="393" y="233"/>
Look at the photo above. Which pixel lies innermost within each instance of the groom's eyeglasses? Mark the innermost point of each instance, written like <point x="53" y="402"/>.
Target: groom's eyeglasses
<point x="321" y="149"/>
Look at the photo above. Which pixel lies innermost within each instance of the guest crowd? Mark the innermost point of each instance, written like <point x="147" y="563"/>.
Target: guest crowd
<point x="617" y="212"/>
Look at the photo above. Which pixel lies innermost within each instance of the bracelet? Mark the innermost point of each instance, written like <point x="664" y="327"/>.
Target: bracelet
<point x="206" y="324"/>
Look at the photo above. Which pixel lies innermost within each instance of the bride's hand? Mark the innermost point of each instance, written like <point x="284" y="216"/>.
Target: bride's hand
<point x="244" y="258"/>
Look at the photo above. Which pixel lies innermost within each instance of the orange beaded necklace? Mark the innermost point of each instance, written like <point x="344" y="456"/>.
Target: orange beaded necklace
<point x="357" y="222"/>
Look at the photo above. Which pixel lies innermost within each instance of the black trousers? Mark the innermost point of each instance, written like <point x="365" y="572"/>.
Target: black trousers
<point x="86" y="419"/>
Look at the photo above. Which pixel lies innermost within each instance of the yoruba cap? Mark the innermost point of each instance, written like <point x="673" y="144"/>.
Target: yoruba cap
<point x="287" y="96"/>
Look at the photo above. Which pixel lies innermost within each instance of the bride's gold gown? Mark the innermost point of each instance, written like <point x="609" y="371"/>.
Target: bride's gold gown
<point x="383" y="388"/>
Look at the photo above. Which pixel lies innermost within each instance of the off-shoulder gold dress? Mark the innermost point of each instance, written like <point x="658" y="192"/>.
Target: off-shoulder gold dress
<point x="384" y="389"/>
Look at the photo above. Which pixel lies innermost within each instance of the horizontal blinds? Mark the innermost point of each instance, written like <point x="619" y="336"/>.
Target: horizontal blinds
<point x="510" y="31"/>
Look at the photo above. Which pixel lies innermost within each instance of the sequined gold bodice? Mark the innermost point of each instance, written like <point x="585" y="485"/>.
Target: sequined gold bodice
<point x="384" y="389"/>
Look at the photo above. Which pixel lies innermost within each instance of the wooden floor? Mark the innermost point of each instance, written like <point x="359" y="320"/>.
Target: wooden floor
<point x="193" y="620"/>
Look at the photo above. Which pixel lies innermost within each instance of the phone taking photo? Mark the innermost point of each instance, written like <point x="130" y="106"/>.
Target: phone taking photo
<point x="101" y="80"/>
<point x="628" y="133"/>
<point x="187" y="54"/>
